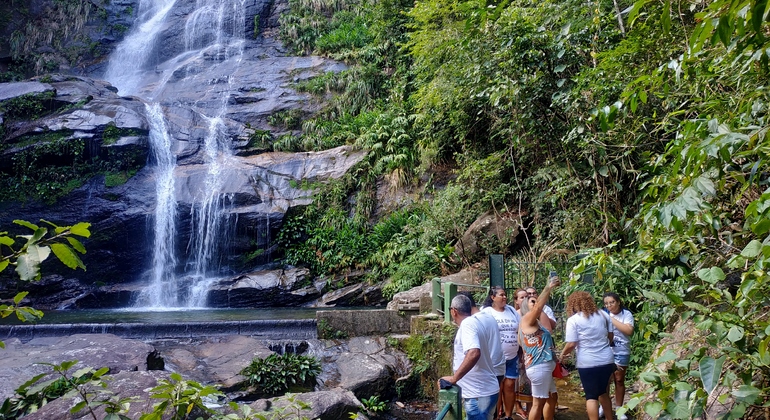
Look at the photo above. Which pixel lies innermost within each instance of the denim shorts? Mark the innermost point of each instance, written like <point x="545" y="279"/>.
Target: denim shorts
<point x="622" y="359"/>
<point x="512" y="368"/>
<point x="481" y="408"/>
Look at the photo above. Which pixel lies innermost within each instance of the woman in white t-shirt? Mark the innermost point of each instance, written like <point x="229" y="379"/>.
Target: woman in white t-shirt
<point x="623" y="321"/>
<point x="508" y="323"/>
<point x="589" y="331"/>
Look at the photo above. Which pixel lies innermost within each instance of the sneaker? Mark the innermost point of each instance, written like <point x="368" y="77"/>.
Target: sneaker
<point x="621" y="416"/>
<point x="601" y="411"/>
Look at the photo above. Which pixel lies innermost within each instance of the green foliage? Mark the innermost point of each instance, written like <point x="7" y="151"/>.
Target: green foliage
<point x="42" y="37"/>
<point x="374" y="404"/>
<point x="276" y="374"/>
<point x="287" y="120"/>
<point x="180" y="399"/>
<point x="54" y="164"/>
<point x="326" y="331"/>
<point x="429" y="357"/>
<point x="88" y="384"/>
<point x="260" y="139"/>
<point x="112" y="134"/>
<point x="27" y="255"/>
<point x="348" y="31"/>
<point x="28" y="107"/>
<point x="291" y="411"/>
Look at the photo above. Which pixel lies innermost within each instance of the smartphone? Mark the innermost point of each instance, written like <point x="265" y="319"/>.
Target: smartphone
<point x="552" y="274"/>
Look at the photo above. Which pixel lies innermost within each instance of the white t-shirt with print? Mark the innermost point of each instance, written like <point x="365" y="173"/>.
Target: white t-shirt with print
<point x="622" y="342"/>
<point x="477" y="333"/>
<point x="508" y="323"/>
<point x="593" y="346"/>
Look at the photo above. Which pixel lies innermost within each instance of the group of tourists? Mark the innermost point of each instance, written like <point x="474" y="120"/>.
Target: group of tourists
<point x="496" y="345"/>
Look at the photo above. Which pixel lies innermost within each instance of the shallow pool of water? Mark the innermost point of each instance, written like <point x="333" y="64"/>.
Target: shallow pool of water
<point x="157" y="316"/>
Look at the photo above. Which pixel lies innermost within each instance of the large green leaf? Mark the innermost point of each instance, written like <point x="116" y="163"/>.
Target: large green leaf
<point x="680" y="409"/>
<point x="65" y="254"/>
<point x="653" y="408"/>
<point x="710" y="372"/>
<point x="4" y="264"/>
<point x="27" y="224"/>
<point x="753" y="249"/>
<point x="6" y="240"/>
<point x="735" y="333"/>
<point x="711" y="275"/>
<point x="81" y="229"/>
<point x="28" y="264"/>
<point x="747" y="394"/>
<point x="77" y="245"/>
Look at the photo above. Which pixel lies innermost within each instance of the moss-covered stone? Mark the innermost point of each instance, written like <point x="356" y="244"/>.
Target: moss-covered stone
<point x="429" y="348"/>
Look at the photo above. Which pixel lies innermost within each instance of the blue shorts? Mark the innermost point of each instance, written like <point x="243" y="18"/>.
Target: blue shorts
<point x="512" y="368"/>
<point x="622" y="359"/>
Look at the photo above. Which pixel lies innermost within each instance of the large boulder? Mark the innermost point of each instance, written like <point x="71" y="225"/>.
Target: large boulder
<point x="215" y="359"/>
<point x="501" y="229"/>
<point x="332" y="404"/>
<point x="21" y="361"/>
<point x="135" y="386"/>
<point x="367" y="366"/>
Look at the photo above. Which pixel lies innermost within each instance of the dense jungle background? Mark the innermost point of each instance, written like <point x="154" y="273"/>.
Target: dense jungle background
<point x="631" y="133"/>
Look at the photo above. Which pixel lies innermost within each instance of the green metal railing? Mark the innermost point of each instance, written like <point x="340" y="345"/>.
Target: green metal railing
<point x="443" y="292"/>
<point x="452" y="402"/>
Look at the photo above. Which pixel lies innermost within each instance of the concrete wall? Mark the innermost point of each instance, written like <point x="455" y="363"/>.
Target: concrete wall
<point x="352" y="323"/>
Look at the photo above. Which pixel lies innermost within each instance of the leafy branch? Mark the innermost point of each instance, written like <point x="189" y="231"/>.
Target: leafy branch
<point x="27" y="252"/>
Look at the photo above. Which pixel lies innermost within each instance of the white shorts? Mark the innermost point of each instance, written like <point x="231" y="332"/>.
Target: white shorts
<point x="541" y="378"/>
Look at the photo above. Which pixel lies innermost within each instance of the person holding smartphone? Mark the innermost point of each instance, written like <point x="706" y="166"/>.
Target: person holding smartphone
<point x="547" y="310"/>
<point x="539" y="357"/>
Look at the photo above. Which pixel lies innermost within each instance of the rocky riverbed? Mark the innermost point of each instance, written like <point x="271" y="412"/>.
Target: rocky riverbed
<point x="353" y="369"/>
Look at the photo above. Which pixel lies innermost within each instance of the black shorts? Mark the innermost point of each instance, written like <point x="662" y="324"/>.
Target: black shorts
<point x="595" y="380"/>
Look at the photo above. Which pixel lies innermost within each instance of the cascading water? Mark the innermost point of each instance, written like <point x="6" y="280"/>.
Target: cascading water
<point x="214" y="33"/>
<point x="163" y="289"/>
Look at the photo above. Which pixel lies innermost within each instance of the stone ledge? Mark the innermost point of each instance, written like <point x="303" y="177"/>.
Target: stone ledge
<point x="356" y="323"/>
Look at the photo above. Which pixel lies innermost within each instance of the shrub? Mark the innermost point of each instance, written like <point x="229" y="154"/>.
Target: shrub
<point x="276" y="374"/>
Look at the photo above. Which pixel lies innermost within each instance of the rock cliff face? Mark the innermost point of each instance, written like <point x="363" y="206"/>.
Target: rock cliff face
<point x="197" y="89"/>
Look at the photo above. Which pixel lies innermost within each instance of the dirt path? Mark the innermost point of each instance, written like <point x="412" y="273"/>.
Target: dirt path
<point x="571" y="396"/>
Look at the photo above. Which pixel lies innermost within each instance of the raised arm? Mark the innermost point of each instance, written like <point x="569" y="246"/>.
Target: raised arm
<point x="532" y="317"/>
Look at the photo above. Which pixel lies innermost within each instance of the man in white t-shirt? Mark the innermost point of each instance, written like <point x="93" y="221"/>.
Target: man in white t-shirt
<point x="475" y="361"/>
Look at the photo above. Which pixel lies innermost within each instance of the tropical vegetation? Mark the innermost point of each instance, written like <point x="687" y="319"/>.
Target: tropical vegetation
<point x="633" y="133"/>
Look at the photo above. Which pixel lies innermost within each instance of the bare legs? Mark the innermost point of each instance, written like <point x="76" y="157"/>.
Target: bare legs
<point x="509" y="395"/>
<point x="620" y="384"/>
<point x="545" y="408"/>
<point x="592" y="408"/>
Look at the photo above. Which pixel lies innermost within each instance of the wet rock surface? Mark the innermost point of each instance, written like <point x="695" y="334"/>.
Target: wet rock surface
<point x="352" y="369"/>
<point x="230" y="91"/>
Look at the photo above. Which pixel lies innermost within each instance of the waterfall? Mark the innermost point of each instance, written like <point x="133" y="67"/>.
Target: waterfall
<point x="163" y="290"/>
<point x="127" y="64"/>
<point x="209" y="218"/>
<point x="214" y="32"/>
